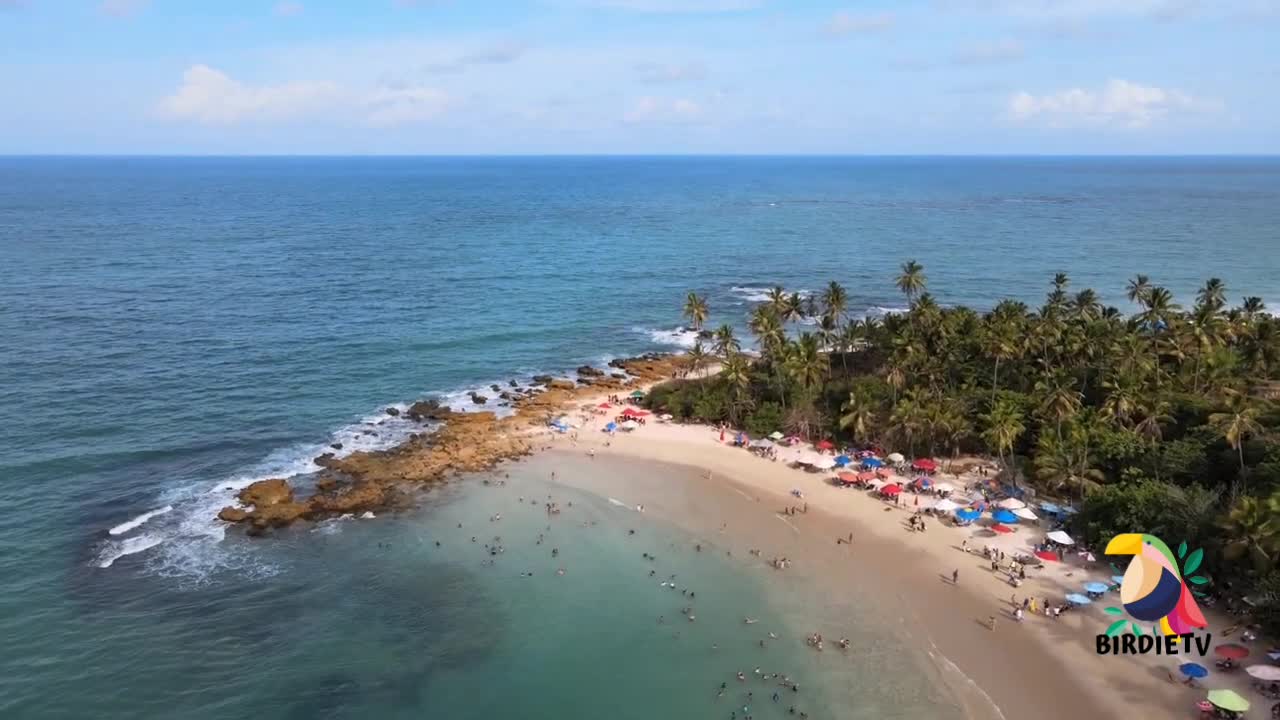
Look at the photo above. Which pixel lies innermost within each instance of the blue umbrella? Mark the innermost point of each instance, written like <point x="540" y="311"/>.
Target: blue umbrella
<point x="1068" y="510"/>
<point x="842" y="460"/>
<point x="1004" y="516"/>
<point x="872" y="463"/>
<point x="611" y="427"/>
<point x="967" y="514"/>
<point x="1050" y="508"/>
<point x="924" y="482"/>
<point x="1096" y="587"/>
<point x="1193" y="670"/>
<point x="1117" y="579"/>
<point x="1078" y="599"/>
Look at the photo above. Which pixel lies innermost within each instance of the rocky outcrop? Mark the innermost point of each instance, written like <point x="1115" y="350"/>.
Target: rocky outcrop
<point x="543" y="379"/>
<point x="478" y="399"/>
<point x="393" y="412"/>
<point x="336" y="446"/>
<point x="466" y="442"/>
<point x="618" y="376"/>
<point x="588" y="371"/>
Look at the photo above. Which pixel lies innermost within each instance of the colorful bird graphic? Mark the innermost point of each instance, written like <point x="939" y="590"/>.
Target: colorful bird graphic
<point x="1153" y="588"/>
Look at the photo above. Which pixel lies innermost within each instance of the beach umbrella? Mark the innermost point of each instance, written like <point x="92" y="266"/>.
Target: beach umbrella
<point x="923" y="482"/>
<point x="629" y="425"/>
<point x="891" y="489"/>
<point x="1025" y="513"/>
<point x="968" y="514"/>
<point x="1117" y="579"/>
<point x="1228" y="700"/>
<point x="1096" y="587"/>
<point x="843" y="460"/>
<point x="1269" y="673"/>
<point x="1011" y="504"/>
<point x="775" y="435"/>
<point x="823" y="463"/>
<point x="1061" y="538"/>
<point x="1050" y="508"/>
<point x="1078" y="599"/>
<point x="876" y="484"/>
<point x="895" y="458"/>
<point x="1088" y="556"/>
<point x="611" y="427"/>
<point x="1231" y="651"/>
<point x="944" y="487"/>
<point x="946" y="505"/>
<point x="872" y="463"/>
<point x="1195" y="670"/>
<point x="847" y="478"/>
<point x="1046" y="555"/>
<point x="825" y="445"/>
<point x="925" y="464"/>
<point x="637" y="394"/>
<point x="1002" y="529"/>
<point x="1004" y="516"/>
<point x="604" y="406"/>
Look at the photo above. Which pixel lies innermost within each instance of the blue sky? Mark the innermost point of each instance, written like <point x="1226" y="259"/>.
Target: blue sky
<point x="640" y="76"/>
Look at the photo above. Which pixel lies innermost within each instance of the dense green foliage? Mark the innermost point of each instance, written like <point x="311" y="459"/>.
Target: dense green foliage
<point x="1159" y="421"/>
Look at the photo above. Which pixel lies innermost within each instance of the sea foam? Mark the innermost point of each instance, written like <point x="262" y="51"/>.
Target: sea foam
<point x="125" y="527"/>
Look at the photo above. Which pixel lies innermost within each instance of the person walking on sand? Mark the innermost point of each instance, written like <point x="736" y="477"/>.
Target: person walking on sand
<point x="991" y="622"/>
<point x="955" y="576"/>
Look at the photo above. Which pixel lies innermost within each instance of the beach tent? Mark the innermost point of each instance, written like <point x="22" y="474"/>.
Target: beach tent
<point x="629" y="425"/>
<point x="944" y="488"/>
<point x="843" y="460"/>
<point x="1096" y="587"/>
<point x="925" y="465"/>
<point x="1195" y="670"/>
<point x="775" y="435"/>
<point x="637" y="394"/>
<point x="891" y="489"/>
<point x="825" y="445"/>
<point x="1061" y="538"/>
<point x="1011" y="504"/>
<point x="1025" y="514"/>
<point x="968" y="514"/>
<point x="895" y="458"/>
<point x="1004" y="516"/>
<point x="946" y="505"/>
<point x="611" y="427"/>
<point x="1269" y="673"/>
<point x="1001" y="528"/>
<point x="872" y="463"/>
<point x="1078" y="599"/>
<point x="823" y="463"/>
<point x="632" y="412"/>
<point x="1228" y="700"/>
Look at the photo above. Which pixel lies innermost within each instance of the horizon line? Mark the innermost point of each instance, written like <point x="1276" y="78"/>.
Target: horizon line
<point x="643" y="155"/>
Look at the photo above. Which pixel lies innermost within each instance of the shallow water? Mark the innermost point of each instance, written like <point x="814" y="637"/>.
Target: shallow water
<point x="176" y="328"/>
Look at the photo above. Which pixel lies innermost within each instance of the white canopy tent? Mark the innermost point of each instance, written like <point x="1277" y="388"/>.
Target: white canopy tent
<point x="1061" y="538"/>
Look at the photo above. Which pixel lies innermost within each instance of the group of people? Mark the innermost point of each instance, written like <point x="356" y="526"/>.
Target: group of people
<point x="916" y="522"/>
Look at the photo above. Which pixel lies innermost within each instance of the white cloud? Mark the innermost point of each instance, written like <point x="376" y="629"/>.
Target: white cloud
<point x="499" y="54"/>
<point x="386" y="107"/>
<point x="650" y="109"/>
<point x="1119" y="103"/>
<point x="848" y="23"/>
<point x="211" y="97"/>
<point x="989" y="53"/>
<point x="675" y="6"/>
<point x="122" y="8"/>
<point x="658" y="73"/>
<point x="288" y="9"/>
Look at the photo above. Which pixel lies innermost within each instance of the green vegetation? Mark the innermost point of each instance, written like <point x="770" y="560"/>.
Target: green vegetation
<point x="1159" y="422"/>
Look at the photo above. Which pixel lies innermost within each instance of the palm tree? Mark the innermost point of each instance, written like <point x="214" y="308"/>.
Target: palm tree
<point x="834" y="299"/>
<point x="907" y="420"/>
<point x="1066" y="463"/>
<point x="1139" y="287"/>
<point x="793" y="308"/>
<point x="1253" y="529"/>
<point x="695" y="308"/>
<point x="912" y="281"/>
<point x="1238" y="422"/>
<point x="767" y="327"/>
<point x="737" y="376"/>
<point x="1004" y="427"/>
<point x="1085" y="305"/>
<point x="1061" y="399"/>
<point x="698" y="357"/>
<point x="1000" y="344"/>
<point x="1252" y="307"/>
<point x="859" y="416"/>
<point x="723" y="341"/>
<point x="807" y="364"/>
<point x="1213" y="295"/>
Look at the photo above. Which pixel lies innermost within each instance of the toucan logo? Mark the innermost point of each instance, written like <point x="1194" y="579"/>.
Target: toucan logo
<point x="1158" y="589"/>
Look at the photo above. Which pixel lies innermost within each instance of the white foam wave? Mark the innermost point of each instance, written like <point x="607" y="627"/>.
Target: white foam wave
<point x="619" y="503"/>
<point x="113" y="550"/>
<point x="680" y="337"/>
<point x="879" y="311"/>
<point x="125" y="527"/>
<point x="753" y="294"/>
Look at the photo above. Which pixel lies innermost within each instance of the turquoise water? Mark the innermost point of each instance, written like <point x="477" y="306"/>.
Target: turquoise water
<point x="176" y="328"/>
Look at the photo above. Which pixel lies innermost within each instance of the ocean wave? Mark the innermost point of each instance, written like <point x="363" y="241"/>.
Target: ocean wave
<point x="113" y="550"/>
<point x="125" y="527"/>
<point x="761" y="294"/>
<point x="681" y="337"/>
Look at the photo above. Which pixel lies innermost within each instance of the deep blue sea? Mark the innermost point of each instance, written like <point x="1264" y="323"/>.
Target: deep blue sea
<point x="174" y="328"/>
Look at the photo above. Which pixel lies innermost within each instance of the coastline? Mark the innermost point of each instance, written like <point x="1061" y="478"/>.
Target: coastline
<point x="1041" y="668"/>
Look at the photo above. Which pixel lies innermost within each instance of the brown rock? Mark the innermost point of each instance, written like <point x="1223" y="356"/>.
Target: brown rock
<point x="326" y="484"/>
<point x="325" y="460"/>
<point x="561" y="384"/>
<point x="423" y="410"/>
<point x="266" y="493"/>
<point x="588" y="371"/>
<point x="393" y="412"/>
<point x="232" y="514"/>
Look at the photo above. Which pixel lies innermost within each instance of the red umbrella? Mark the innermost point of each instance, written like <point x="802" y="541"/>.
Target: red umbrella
<point x="629" y="412"/>
<point x="925" y="464"/>
<point x="1231" y="651"/>
<point x="883" y="474"/>
<point x="604" y="406"/>
<point x="1001" y="528"/>
<point x="825" y="445"/>
<point x="847" y="477"/>
<point x="1046" y="555"/>
<point x="892" y="489"/>
<point x="866" y="476"/>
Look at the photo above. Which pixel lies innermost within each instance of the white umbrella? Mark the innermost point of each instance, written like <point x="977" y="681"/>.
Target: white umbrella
<point x="946" y="505"/>
<point x="761" y="443"/>
<point x="944" y="487"/>
<point x="1011" y="504"/>
<point x="1025" y="513"/>
<point x="895" y="458"/>
<point x="629" y="425"/>
<point x="1270" y="673"/>
<point x="824" y="463"/>
<point x="876" y="484"/>
<point x="1061" y="538"/>
<point x="776" y="435"/>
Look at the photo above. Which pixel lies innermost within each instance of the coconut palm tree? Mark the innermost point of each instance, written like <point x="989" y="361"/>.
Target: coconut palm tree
<point x="1000" y="342"/>
<point x="736" y="373"/>
<point x="858" y="416"/>
<point x="793" y="308"/>
<point x="1236" y="423"/>
<point x="912" y="281"/>
<point x="1085" y="305"/>
<point x="695" y="308"/>
<point x="1061" y="400"/>
<point x="1213" y="295"/>
<point x="834" y="299"/>
<point x="724" y="343"/>
<point x="1004" y="427"/>
<point x="1252" y="307"/>
<point x="767" y="327"/>
<point x="1253" y="528"/>
<point x="698" y="357"/>
<point x="1138" y="289"/>
<point x="1066" y="463"/>
<point x="807" y="363"/>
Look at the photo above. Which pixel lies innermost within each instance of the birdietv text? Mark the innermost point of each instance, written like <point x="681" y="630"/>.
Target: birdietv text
<point x="1186" y="643"/>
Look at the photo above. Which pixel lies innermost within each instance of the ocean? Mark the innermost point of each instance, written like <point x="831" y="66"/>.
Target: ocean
<point x="175" y="328"/>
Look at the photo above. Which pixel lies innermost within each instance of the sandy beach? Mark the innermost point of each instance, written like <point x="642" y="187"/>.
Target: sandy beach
<point x="1039" y="668"/>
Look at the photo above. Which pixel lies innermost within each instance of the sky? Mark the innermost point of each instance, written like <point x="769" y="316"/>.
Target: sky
<point x="639" y="76"/>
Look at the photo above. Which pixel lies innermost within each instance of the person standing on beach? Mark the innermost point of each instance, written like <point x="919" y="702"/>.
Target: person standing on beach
<point x="955" y="576"/>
